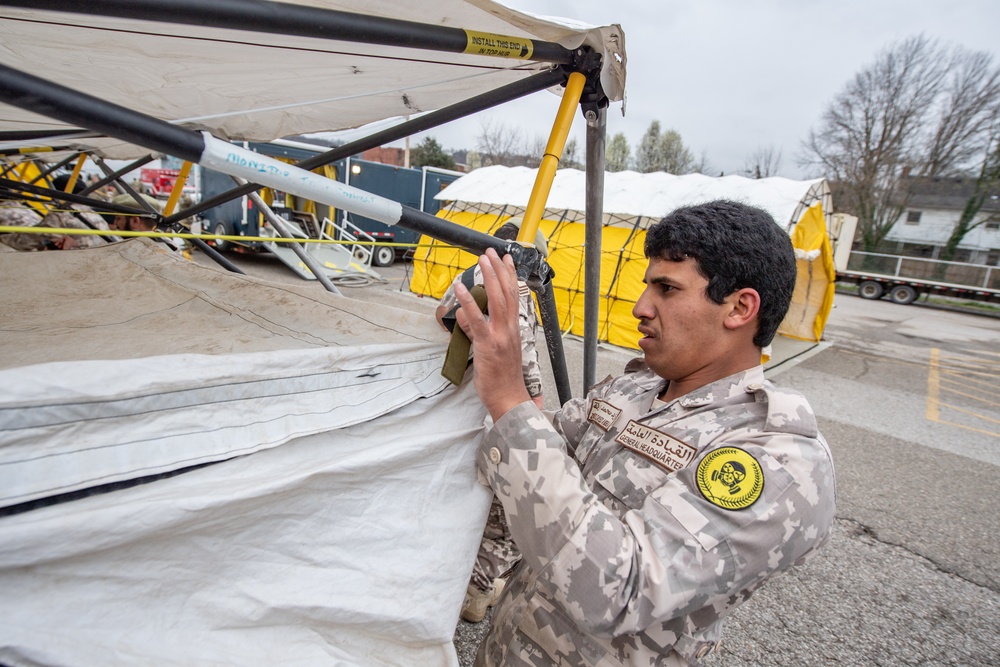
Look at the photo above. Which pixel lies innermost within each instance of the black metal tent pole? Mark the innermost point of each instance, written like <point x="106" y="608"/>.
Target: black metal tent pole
<point x="128" y="189"/>
<point x="289" y="19"/>
<point x="116" y="176"/>
<point x="47" y="136"/>
<point x="489" y="99"/>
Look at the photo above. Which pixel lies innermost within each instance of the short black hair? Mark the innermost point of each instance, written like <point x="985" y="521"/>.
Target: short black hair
<point x="735" y="246"/>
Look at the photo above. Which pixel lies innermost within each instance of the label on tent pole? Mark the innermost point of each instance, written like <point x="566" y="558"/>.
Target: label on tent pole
<point x="256" y="168"/>
<point x="502" y="46"/>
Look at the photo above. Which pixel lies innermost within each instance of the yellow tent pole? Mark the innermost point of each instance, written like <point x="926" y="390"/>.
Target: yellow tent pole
<point x="550" y="161"/>
<point x="76" y="172"/>
<point x="175" y="193"/>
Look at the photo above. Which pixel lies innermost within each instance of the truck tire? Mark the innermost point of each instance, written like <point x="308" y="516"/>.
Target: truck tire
<point x="383" y="256"/>
<point x="902" y="294"/>
<point x="869" y="289"/>
<point x="221" y="244"/>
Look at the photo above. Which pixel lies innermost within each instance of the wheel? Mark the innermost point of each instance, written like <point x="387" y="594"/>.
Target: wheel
<point x="902" y="294"/>
<point x="383" y="256"/>
<point x="221" y="244"/>
<point x="869" y="289"/>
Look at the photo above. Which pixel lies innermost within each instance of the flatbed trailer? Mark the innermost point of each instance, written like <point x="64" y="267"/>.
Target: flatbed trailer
<point x="904" y="279"/>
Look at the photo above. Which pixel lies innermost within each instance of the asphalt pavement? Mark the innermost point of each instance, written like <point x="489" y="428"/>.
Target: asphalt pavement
<point x="907" y="398"/>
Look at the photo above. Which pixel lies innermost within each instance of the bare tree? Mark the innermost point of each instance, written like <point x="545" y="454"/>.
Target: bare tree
<point x="703" y="166"/>
<point x="917" y="110"/>
<point x="965" y="114"/>
<point x="763" y="162"/>
<point x="499" y="144"/>
<point x="618" y="154"/>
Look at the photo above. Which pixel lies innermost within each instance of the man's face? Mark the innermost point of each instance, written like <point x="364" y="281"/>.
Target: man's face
<point x="682" y="328"/>
<point x="132" y="223"/>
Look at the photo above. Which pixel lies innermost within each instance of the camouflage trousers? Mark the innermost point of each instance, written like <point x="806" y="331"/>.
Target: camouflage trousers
<point x="497" y="552"/>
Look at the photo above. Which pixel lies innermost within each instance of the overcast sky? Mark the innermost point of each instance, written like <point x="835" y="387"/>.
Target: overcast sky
<point x="734" y="75"/>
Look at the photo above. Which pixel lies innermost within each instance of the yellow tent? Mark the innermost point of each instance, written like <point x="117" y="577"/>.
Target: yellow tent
<point x="484" y="199"/>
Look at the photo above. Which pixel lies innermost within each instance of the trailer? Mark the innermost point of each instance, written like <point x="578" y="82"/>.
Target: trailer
<point x="904" y="279"/>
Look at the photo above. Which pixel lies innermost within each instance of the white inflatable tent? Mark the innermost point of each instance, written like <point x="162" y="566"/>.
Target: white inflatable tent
<point x="198" y="467"/>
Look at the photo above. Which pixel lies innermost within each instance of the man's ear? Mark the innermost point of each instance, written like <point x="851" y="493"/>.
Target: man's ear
<point x="744" y="304"/>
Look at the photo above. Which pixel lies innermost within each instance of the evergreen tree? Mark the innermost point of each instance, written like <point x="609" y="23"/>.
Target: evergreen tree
<point x="428" y="153"/>
<point x="618" y="154"/>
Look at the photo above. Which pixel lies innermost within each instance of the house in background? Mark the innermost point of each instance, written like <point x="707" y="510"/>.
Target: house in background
<point x="927" y="223"/>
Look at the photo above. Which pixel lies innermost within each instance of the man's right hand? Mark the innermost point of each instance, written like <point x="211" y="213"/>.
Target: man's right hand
<point x="496" y="340"/>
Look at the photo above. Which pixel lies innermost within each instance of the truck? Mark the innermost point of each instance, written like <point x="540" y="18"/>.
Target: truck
<point x="409" y="186"/>
<point x="158" y="182"/>
<point x="904" y="279"/>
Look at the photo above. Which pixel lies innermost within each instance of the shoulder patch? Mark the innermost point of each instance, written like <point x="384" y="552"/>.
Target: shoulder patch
<point x="730" y="478"/>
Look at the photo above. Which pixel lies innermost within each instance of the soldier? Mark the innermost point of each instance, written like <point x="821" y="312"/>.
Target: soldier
<point x="648" y="510"/>
<point x="497" y="552"/>
<point x="135" y="223"/>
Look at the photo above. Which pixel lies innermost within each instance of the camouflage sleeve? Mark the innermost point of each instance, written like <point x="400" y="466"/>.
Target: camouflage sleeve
<point x="671" y="552"/>
<point x="529" y="354"/>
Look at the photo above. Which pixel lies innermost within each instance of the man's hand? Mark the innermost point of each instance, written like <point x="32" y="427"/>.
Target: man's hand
<point x="496" y="341"/>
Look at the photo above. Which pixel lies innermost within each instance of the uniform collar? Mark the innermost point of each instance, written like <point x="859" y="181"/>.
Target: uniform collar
<point x="734" y="386"/>
<point x="745" y="382"/>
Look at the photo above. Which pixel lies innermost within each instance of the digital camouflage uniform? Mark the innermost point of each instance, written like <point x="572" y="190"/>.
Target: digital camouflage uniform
<point x="497" y="552"/>
<point x="526" y="317"/>
<point x="642" y="528"/>
<point x="24" y="217"/>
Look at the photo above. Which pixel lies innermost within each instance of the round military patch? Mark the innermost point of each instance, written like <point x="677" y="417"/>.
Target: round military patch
<point x="730" y="478"/>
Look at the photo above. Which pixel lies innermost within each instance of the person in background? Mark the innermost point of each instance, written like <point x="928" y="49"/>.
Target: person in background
<point x="497" y="552"/>
<point x="649" y="509"/>
<point x="135" y="223"/>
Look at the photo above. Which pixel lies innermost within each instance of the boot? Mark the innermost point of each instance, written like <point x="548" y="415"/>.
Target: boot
<point x="477" y="602"/>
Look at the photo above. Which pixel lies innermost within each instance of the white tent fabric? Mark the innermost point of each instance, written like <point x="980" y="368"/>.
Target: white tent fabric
<point x="628" y="194"/>
<point x="257" y="87"/>
<point x="309" y="499"/>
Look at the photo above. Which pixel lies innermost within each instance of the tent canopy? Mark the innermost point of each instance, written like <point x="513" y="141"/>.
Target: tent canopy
<point x="251" y="86"/>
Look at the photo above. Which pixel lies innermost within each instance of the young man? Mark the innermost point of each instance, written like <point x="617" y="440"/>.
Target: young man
<point x="650" y="509"/>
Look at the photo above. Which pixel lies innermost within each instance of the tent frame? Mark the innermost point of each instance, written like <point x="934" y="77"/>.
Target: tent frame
<point x="579" y="71"/>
